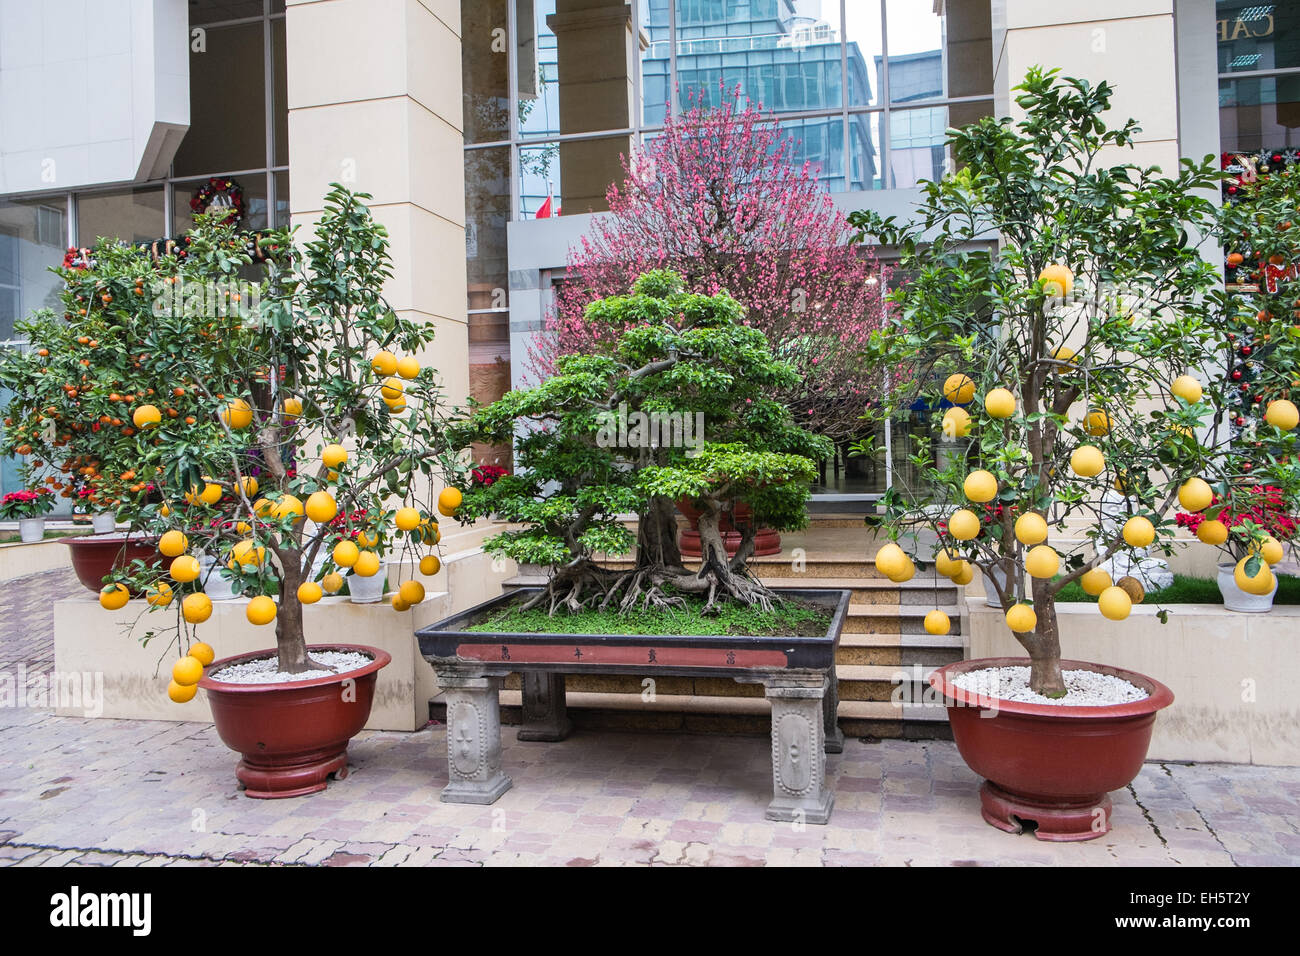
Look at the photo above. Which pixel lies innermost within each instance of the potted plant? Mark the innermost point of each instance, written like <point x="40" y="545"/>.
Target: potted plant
<point x="1070" y="357"/>
<point x="29" y="508"/>
<point x="1234" y="525"/>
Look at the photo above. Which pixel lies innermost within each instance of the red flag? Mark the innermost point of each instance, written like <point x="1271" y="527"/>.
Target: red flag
<point x="544" y="211"/>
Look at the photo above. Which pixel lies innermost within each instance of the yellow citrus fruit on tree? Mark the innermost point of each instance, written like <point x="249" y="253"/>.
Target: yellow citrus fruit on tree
<point x="181" y="693"/>
<point x="263" y="507"/>
<point x="429" y="564"/>
<point x="392" y="390"/>
<point x="449" y="499"/>
<point x="1282" y="414"/>
<point x="1095" y="581"/>
<point x="248" y="485"/>
<point x="959" y="389"/>
<point x="184" y="568"/>
<point x="165" y="510"/>
<point x="1057" y="280"/>
<point x="173" y="543"/>
<point x="891" y="559"/>
<point x="309" y="592"/>
<point x="397" y="407"/>
<point x="1115" y="603"/>
<point x="248" y="554"/>
<point x="238" y="414"/>
<point x="956" y="423"/>
<point x="1195" y="495"/>
<point x="1097" y="423"/>
<point x="1042" y="561"/>
<point x="321" y="507"/>
<point x="187" y="670"/>
<point x="160" y="595"/>
<point x="400" y="605"/>
<point x="1271" y="550"/>
<point x="203" y="653"/>
<point x="1031" y="528"/>
<point x="905" y="573"/>
<point x="1021" y="618"/>
<point x="1000" y="403"/>
<point x="196" y="607"/>
<point x="293" y="407"/>
<point x="209" y="494"/>
<point x="408" y="366"/>
<point x="980" y="486"/>
<point x="345" y="554"/>
<point x="427" y="532"/>
<point x="114" y="597"/>
<point x="146" y="416"/>
<point x="288" y="506"/>
<point x="367" y="537"/>
<point x="1087" y="461"/>
<point x="963" y="525"/>
<point x="260" y="610"/>
<point x="412" y="592"/>
<point x="384" y="363"/>
<point x="407" y="519"/>
<point x="936" y="622"/>
<point x="1187" y="388"/>
<point x="1259" y="584"/>
<point x="965" y="575"/>
<point x="333" y="455"/>
<point x="1211" y="531"/>
<point x="1139" y="532"/>
<point x="366" y="565"/>
<point x="1064" y="354"/>
<point x="945" y="564"/>
<point x="332" y="582"/>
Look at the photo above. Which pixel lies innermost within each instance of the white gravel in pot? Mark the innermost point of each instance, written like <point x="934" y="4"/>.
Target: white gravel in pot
<point x="264" y="670"/>
<point x="1083" y="688"/>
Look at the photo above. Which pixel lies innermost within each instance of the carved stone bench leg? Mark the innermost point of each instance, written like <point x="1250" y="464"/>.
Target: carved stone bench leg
<point x="831" y="714"/>
<point x="473" y="740"/>
<point x="798" y="751"/>
<point x="545" y="714"/>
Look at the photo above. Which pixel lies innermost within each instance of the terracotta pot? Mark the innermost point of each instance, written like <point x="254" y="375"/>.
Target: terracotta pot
<point x="293" y="736"/>
<point x="767" y="541"/>
<point x="94" y="558"/>
<point x="1053" y="765"/>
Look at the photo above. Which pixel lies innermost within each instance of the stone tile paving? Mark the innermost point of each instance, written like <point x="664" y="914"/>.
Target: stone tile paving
<point x="147" y="793"/>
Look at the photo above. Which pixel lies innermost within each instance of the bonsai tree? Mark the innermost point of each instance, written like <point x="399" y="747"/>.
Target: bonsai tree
<point x="1074" y="364"/>
<point x="678" y="406"/>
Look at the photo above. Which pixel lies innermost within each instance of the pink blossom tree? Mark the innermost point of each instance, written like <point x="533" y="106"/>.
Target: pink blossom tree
<point x="718" y="199"/>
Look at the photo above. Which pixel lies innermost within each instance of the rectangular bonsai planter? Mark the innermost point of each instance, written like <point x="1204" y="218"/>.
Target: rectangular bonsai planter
<point x="798" y="675"/>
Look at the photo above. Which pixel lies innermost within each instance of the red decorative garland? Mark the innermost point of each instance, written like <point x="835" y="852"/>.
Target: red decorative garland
<point x="220" y="186"/>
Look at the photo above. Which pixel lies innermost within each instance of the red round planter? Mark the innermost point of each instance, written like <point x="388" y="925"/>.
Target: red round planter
<point x="766" y="541"/>
<point x="95" y="557"/>
<point x="1052" y="765"/>
<point x="293" y="736"/>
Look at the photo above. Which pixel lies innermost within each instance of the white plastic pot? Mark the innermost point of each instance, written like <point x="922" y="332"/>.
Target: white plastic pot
<point x="104" y="523"/>
<point x="1235" y="599"/>
<point x="368" y="590"/>
<point x="216" y="586"/>
<point x="31" y="530"/>
<point x="990" y="589"/>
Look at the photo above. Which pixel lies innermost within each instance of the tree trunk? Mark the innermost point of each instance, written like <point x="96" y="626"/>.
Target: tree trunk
<point x="290" y="642"/>
<point x="656" y="545"/>
<point x="1044" y="645"/>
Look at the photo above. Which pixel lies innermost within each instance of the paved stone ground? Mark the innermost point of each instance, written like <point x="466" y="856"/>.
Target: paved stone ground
<point x="150" y="793"/>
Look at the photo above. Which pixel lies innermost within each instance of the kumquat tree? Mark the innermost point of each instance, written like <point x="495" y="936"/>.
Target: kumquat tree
<point x="1076" y="367"/>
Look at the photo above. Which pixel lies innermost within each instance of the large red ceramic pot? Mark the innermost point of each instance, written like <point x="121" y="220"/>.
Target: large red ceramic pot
<point x="95" y="557"/>
<point x="1051" y="765"/>
<point x="294" y="735"/>
<point x="766" y="541"/>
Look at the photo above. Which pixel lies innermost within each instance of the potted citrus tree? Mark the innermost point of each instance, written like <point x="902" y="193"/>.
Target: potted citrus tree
<point x="1071" y="359"/>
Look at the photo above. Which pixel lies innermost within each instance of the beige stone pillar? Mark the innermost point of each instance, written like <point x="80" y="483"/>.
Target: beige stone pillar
<point x="374" y="90"/>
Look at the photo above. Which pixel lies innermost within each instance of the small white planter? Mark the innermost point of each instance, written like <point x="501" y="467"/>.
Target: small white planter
<point x="990" y="589"/>
<point x="104" y="523"/>
<point x="367" y="590"/>
<point x="1235" y="599"/>
<point x="215" y="585"/>
<point x="31" y="530"/>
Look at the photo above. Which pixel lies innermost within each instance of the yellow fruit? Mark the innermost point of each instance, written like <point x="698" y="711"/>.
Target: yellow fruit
<point x="1211" y="531"/>
<point x="321" y="507"/>
<point x="1042" y="561"/>
<point x="963" y="525"/>
<point x="408" y="367"/>
<point x="428" y="532"/>
<point x="1271" y="551"/>
<point x="384" y="363"/>
<point x="412" y="592"/>
<point x="196" y="607"/>
<point x="345" y="554"/>
<point x="260" y="610"/>
<point x="1031" y="528"/>
<point x="959" y="389"/>
<point x="1057" y="280"/>
<point x="965" y="575"/>
<point x="1021" y="618"/>
<point x="1282" y="414"/>
<point x="293" y="407"/>
<point x="980" y="486"/>
<point x="406" y="519"/>
<point x="392" y="389"/>
<point x="1087" y="461"/>
<point x="187" y="671"/>
<point x="248" y="554"/>
<point x="1261" y="583"/>
<point x="332" y="582"/>
<point x="905" y="573"/>
<point x="891" y="559"/>
<point x="936" y="622"/>
<point x="396" y="407"/>
<point x="1097" y="423"/>
<point x="430" y="565"/>
<point x="1139" y="532"/>
<point x="449" y="499"/>
<point x="398" y="604"/>
<point x="309" y="592"/>
<point x="1195" y="495"/>
<point x="249" y="486"/>
<point x="203" y="653"/>
<point x="146" y="416"/>
<point x="263" y="507"/>
<point x="237" y="414"/>
<point x="184" y="568"/>
<point x="956" y="423"/>
<point x="1132" y="587"/>
<point x="165" y="510"/>
<point x="333" y="455"/>
<point x="1115" y="603"/>
<point x="1000" y="403"/>
<point x="160" y="595"/>
<point x="181" y="693"/>
<point x="288" y="506"/>
<point x="1095" y="581"/>
<point x="1186" y="388"/>
<point x="114" y="597"/>
<point x="946" y="565"/>
<point x="367" y="538"/>
<point x="1065" y="354"/>
<point x="366" y="565"/>
<point x="209" y="494"/>
<point x="173" y="544"/>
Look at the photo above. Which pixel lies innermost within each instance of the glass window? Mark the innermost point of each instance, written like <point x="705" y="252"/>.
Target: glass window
<point x="914" y="45"/>
<point x="133" y="215"/>
<point x="253" y="187"/>
<point x="540" y="194"/>
<point x="280" y="94"/>
<point x="1259" y="113"/>
<point x="216" y="11"/>
<point x="487" y="210"/>
<point x="33" y="237"/>
<point x="866" y="168"/>
<point x="863" y="52"/>
<point x="1257" y="36"/>
<point x="281" y="220"/>
<point x="916" y="145"/>
<point x="227" y="103"/>
<point x="820" y="142"/>
<point x="484" y="70"/>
